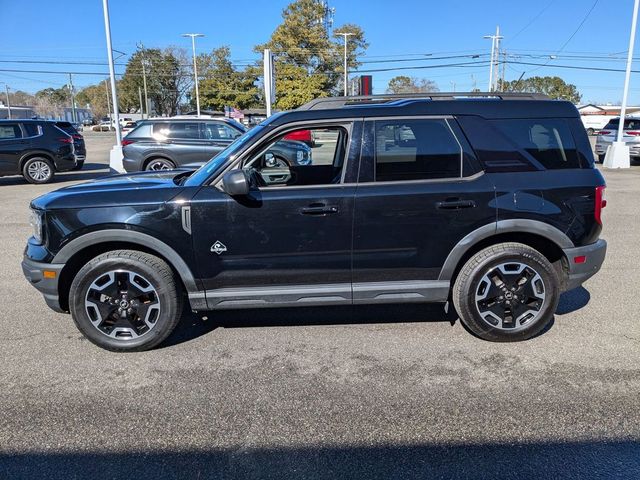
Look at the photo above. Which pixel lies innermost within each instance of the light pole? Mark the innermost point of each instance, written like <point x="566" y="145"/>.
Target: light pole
<point x="112" y="71"/>
<point x="195" y="68"/>
<point x="495" y="45"/>
<point x="617" y="155"/>
<point x="346" y="74"/>
<point x="143" y="62"/>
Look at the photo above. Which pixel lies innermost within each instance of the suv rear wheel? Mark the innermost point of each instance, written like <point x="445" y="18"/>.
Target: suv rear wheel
<point x="506" y="292"/>
<point x="125" y="300"/>
<point x="38" y="170"/>
<point x="160" y="164"/>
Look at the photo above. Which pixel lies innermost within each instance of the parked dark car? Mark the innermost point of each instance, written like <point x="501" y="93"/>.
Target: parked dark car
<point x="164" y="144"/>
<point x="491" y="206"/>
<point x="78" y="142"/>
<point x="36" y="149"/>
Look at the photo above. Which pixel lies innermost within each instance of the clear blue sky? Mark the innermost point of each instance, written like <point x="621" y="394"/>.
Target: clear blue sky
<point x="73" y="31"/>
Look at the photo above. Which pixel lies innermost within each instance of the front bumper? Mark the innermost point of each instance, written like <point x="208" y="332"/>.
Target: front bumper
<point x="48" y="286"/>
<point x="580" y="272"/>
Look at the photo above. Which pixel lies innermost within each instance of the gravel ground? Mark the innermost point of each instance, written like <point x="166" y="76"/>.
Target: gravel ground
<point x="390" y="392"/>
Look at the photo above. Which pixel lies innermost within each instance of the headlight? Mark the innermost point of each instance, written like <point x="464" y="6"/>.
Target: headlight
<point x="35" y="220"/>
<point x="303" y="157"/>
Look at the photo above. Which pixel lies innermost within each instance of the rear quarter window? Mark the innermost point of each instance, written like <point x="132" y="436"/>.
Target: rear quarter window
<point x="67" y="127"/>
<point x="548" y="140"/>
<point x="142" y="130"/>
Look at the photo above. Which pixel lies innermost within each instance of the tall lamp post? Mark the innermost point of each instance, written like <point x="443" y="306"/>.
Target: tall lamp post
<point x="618" y="154"/>
<point x="346" y="73"/>
<point x="195" y="68"/>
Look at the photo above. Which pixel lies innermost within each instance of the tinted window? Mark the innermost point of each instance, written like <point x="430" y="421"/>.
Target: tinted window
<point x="67" y="127"/>
<point x="9" y="130"/>
<point x="142" y="130"/>
<point x="416" y="150"/>
<point x="547" y="140"/>
<point x="187" y="130"/>
<point x="32" y="129"/>
<point x="219" y="131"/>
<point x="629" y="124"/>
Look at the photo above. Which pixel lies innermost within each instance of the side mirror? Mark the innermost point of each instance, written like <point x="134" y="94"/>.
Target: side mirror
<point x="236" y="183"/>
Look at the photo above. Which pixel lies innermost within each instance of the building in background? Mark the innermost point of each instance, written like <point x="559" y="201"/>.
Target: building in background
<point x="18" y="111"/>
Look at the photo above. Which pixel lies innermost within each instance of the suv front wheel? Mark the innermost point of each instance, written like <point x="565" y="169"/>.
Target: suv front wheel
<point x="38" y="170"/>
<point x="506" y="292"/>
<point x="125" y="300"/>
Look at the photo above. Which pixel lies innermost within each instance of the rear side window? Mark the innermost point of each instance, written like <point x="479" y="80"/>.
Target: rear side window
<point x="420" y="149"/>
<point x="32" y="129"/>
<point x="67" y="127"/>
<point x="9" y="131"/>
<point x="187" y="130"/>
<point x="547" y="140"/>
<point x="629" y="124"/>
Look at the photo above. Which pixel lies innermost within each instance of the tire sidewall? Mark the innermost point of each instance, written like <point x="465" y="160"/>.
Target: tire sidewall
<point x="25" y="170"/>
<point x="93" y="270"/>
<point x="480" y="327"/>
<point x="169" y="163"/>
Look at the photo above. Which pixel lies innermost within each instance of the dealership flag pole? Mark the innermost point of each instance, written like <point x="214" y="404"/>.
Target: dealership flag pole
<point x="115" y="156"/>
<point x="617" y="155"/>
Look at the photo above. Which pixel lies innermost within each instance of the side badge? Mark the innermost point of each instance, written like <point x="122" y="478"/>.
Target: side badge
<point x="218" y="247"/>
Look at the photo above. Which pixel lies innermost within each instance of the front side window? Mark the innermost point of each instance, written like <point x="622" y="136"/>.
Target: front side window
<point x="286" y="162"/>
<point x="547" y="140"/>
<point x="10" y="131"/>
<point x="419" y="149"/>
<point x="219" y="131"/>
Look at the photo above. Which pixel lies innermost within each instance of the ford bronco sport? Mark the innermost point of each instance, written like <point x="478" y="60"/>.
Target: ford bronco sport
<point x="489" y="203"/>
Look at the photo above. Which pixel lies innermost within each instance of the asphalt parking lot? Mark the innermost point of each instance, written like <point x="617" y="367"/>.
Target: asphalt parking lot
<point x="391" y="392"/>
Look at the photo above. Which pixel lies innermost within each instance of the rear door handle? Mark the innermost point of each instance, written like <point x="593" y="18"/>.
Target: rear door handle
<point x="455" y="204"/>
<point x="319" y="209"/>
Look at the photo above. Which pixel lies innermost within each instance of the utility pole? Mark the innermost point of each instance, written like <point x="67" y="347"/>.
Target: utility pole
<point x="112" y="75"/>
<point x="74" y="116"/>
<point x="346" y="73"/>
<point x="106" y="87"/>
<point x="140" y="99"/>
<point x="495" y="45"/>
<point x="6" y="89"/>
<point x="504" y="69"/>
<point x="195" y="67"/>
<point x="143" y="61"/>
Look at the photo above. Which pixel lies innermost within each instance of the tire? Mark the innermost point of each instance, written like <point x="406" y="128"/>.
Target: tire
<point x="78" y="166"/>
<point x="113" y="320"/>
<point x="156" y="164"/>
<point x="601" y="158"/>
<point x="38" y="170"/>
<point x="486" y="303"/>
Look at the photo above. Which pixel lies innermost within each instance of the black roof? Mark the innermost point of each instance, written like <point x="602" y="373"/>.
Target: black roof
<point x="488" y="105"/>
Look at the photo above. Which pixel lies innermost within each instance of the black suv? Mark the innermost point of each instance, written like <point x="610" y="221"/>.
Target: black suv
<point x="490" y="204"/>
<point x="36" y="149"/>
<point x="167" y="143"/>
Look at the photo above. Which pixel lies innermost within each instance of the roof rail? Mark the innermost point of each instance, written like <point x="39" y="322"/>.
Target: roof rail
<point x="325" y="103"/>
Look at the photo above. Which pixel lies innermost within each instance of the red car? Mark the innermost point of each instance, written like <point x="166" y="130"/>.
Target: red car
<point x="301" y="136"/>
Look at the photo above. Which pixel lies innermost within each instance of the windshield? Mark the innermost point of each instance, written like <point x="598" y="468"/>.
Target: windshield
<point x="629" y="124"/>
<point x="213" y="165"/>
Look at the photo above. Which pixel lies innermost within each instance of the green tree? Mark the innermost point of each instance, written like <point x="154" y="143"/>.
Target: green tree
<point x="168" y="79"/>
<point x="554" y="87"/>
<point x="221" y="84"/>
<point x="307" y="62"/>
<point x="96" y="97"/>
<point x="404" y="84"/>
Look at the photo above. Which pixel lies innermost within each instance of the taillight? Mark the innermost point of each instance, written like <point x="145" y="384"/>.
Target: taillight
<point x="65" y="139"/>
<point x="77" y="136"/>
<point x="604" y="132"/>
<point x="635" y="133"/>
<point x="126" y="142"/>
<point x="601" y="202"/>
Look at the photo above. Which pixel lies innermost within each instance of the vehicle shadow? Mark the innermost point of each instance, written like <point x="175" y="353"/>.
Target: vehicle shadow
<point x="192" y="325"/>
<point x="589" y="459"/>
<point x="90" y="171"/>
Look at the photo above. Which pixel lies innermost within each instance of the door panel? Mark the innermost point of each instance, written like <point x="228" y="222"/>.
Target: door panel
<point x="274" y="237"/>
<point x="11" y="147"/>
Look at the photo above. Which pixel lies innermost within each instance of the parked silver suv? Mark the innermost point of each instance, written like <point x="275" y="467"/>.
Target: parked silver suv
<point x="630" y="135"/>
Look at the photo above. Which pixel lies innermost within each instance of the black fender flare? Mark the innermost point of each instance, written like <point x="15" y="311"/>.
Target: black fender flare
<point x="130" y="236"/>
<point x="503" y="226"/>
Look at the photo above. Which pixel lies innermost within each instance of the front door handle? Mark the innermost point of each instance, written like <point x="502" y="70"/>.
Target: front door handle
<point x="455" y="204"/>
<point x="315" y="209"/>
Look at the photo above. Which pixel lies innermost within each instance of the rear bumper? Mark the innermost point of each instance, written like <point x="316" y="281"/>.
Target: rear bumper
<point x="580" y="272"/>
<point x="34" y="273"/>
